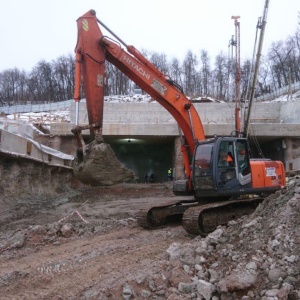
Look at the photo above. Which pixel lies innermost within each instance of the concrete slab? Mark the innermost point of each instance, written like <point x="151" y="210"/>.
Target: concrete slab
<point x="18" y="146"/>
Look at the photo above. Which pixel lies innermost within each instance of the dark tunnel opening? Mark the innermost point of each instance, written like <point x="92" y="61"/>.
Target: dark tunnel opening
<point x="145" y="155"/>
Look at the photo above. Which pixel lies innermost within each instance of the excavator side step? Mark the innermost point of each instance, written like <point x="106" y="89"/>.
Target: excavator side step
<point x="201" y="220"/>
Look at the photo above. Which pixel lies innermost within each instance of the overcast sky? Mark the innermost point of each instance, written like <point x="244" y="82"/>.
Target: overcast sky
<point x="33" y="30"/>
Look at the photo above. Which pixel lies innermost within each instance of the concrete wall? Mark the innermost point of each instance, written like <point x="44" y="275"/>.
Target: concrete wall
<point x="290" y="112"/>
<point x="277" y="119"/>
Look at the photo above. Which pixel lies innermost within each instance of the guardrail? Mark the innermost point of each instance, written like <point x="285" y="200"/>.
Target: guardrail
<point x="25" y="108"/>
<point x="286" y="90"/>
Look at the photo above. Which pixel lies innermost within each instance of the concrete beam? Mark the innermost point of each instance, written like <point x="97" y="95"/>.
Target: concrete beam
<point x="18" y="146"/>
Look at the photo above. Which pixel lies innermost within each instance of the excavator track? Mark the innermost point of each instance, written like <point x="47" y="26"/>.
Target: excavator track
<point x="197" y="218"/>
<point x="203" y="219"/>
<point x="152" y="217"/>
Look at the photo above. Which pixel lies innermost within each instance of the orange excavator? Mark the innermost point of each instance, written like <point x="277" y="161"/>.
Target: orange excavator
<point x="219" y="171"/>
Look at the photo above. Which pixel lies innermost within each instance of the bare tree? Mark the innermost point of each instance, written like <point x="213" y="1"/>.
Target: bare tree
<point x="64" y="72"/>
<point x="220" y="76"/>
<point x="278" y="56"/>
<point x="54" y="81"/>
<point x="116" y="83"/>
<point x="12" y="87"/>
<point x="189" y="72"/>
<point x="205" y="73"/>
<point x="246" y="69"/>
<point x="175" y="71"/>
<point x="263" y="86"/>
<point x="159" y="60"/>
<point x="45" y="82"/>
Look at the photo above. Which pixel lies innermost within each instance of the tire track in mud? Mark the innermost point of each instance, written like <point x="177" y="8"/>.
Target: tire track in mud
<point x="117" y="251"/>
<point x="107" y="260"/>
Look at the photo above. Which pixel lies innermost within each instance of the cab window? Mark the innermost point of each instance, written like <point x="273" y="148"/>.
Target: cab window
<point x="203" y="156"/>
<point x="226" y="155"/>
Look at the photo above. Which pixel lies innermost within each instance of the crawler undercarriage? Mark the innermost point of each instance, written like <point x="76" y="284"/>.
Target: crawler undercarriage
<point x="197" y="218"/>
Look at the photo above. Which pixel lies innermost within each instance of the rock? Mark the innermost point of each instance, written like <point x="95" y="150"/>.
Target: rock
<point x="284" y="292"/>
<point x="183" y="253"/>
<point x="205" y="289"/>
<point x="185" y="288"/>
<point x="66" y="230"/>
<point x="54" y="229"/>
<point x="127" y="292"/>
<point x="36" y="234"/>
<point x="214" y="238"/>
<point x="174" y="296"/>
<point x="237" y="281"/>
<point x="252" y="223"/>
<point x="272" y="293"/>
<point x="213" y="276"/>
<point x="275" y="274"/>
<point x="251" y="266"/>
<point x="145" y="294"/>
<point x="256" y="244"/>
<point x="16" y="241"/>
<point x="174" y="251"/>
<point x="178" y="275"/>
<point x="294" y="295"/>
<point x="291" y="258"/>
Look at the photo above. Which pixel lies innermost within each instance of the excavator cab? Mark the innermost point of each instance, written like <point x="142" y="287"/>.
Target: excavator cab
<point x="222" y="169"/>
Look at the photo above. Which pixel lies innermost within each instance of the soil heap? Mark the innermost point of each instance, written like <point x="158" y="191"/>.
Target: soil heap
<point x="100" y="166"/>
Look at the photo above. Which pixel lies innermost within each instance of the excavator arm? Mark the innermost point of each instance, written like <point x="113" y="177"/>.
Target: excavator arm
<point x="90" y="68"/>
<point x="93" y="48"/>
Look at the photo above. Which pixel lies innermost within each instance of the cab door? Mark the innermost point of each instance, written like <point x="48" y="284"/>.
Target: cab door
<point x="233" y="166"/>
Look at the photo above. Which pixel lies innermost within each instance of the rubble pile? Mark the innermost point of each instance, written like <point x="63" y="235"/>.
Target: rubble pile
<point x="255" y="257"/>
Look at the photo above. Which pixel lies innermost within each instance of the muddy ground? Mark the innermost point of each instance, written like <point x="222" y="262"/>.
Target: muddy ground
<point x="102" y="246"/>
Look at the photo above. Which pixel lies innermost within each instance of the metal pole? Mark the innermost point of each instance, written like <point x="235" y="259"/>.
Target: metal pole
<point x="253" y="88"/>
<point x="76" y="113"/>
<point x="237" y="76"/>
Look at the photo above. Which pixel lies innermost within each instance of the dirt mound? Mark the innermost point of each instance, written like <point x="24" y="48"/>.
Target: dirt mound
<point x="100" y="166"/>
